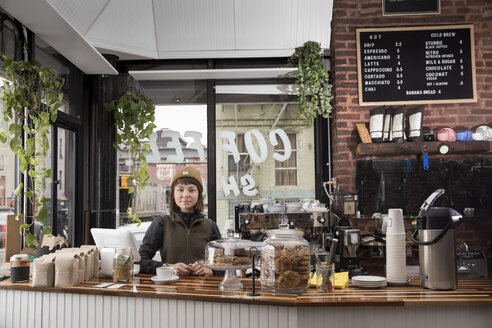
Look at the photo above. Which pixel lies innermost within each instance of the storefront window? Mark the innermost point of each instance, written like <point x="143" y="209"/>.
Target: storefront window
<point x="263" y="151"/>
<point x="180" y="139"/>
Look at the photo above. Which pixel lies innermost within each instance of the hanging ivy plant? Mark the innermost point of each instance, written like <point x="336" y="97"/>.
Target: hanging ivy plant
<point x="133" y="115"/>
<point x="314" y="91"/>
<point x="32" y="94"/>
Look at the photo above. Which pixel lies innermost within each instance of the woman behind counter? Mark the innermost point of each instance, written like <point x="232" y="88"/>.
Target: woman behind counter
<point x="183" y="235"/>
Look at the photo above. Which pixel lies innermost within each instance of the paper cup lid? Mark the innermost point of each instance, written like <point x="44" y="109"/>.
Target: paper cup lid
<point x="19" y="257"/>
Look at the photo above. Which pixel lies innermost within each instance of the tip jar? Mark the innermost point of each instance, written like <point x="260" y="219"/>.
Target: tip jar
<point x="122" y="265"/>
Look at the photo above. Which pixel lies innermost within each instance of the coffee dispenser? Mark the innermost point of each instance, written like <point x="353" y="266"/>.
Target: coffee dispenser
<point x="437" y="244"/>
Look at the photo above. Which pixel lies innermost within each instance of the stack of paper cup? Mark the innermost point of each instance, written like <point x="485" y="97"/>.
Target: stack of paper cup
<point x="395" y="247"/>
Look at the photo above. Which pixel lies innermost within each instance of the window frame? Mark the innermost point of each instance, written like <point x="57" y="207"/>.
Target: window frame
<point x="296" y="168"/>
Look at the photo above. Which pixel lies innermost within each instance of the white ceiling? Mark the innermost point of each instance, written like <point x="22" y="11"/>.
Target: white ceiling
<point x="171" y="29"/>
<point x="45" y="21"/>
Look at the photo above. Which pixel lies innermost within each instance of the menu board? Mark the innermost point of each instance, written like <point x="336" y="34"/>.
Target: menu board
<point x="416" y="65"/>
<point x="405" y="7"/>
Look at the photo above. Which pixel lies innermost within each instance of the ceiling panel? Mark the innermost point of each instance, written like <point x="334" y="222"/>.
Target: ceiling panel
<point x="81" y="14"/>
<point x="47" y="23"/>
<point x="282" y="24"/>
<point x="126" y="26"/>
<point x="174" y="29"/>
<point x="194" y="25"/>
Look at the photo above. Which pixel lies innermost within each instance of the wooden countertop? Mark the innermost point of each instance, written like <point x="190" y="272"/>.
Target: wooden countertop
<point x="469" y="292"/>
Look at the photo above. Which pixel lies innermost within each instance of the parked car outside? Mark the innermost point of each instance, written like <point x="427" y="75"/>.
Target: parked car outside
<point x="4" y="211"/>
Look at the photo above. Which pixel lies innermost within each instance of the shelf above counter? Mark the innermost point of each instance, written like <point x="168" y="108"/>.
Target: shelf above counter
<point x="415" y="148"/>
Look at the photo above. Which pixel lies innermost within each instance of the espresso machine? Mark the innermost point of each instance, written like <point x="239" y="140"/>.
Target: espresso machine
<point x="343" y="206"/>
<point x="251" y="222"/>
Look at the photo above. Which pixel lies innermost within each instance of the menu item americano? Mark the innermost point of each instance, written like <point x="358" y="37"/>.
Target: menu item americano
<point x="410" y="65"/>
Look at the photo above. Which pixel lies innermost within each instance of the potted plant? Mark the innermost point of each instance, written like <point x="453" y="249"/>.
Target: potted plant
<point x="133" y="115"/>
<point x="314" y="91"/>
<point x="32" y="96"/>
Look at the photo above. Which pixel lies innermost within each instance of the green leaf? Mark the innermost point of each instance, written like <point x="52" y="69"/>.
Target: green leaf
<point x="15" y="145"/>
<point x="33" y="174"/>
<point x="42" y="211"/>
<point x="46" y="230"/>
<point x="30" y="146"/>
<point x="15" y="129"/>
<point x="29" y="194"/>
<point x="18" y="190"/>
<point x="3" y="137"/>
<point x="30" y="240"/>
<point x="23" y="226"/>
<point x="131" y="190"/>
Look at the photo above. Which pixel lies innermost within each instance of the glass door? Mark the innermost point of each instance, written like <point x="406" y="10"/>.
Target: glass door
<point x="64" y="179"/>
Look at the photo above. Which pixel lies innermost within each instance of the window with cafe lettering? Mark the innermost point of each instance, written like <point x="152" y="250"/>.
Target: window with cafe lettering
<point x="178" y="140"/>
<point x="263" y="150"/>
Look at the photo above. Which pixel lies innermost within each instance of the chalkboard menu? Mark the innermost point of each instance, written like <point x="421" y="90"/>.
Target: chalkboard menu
<point x="416" y="65"/>
<point x="406" y="7"/>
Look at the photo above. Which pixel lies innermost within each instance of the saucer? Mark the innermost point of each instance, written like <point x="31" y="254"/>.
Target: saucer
<point x="164" y="281"/>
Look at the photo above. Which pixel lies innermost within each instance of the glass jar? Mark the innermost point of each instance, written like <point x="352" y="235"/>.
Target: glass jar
<point x="285" y="261"/>
<point x="229" y="254"/>
<point x="122" y="265"/>
<point x="19" y="268"/>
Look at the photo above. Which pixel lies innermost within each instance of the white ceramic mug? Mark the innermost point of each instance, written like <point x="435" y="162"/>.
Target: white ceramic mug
<point x="165" y="273"/>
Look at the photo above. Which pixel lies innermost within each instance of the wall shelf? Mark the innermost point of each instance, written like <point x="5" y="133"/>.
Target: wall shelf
<point x="415" y="148"/>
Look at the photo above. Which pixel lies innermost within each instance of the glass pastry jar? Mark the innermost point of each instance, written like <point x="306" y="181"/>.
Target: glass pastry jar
<point x="285" y="261"/>
<point x="122" y="265"/>
<point x="229" y="254"/>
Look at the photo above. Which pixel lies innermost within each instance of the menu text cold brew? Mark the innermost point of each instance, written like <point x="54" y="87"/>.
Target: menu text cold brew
<point x="410" y="65"/>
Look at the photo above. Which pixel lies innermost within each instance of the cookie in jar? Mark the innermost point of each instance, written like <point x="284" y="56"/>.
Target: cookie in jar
<point x="285" y="261"/>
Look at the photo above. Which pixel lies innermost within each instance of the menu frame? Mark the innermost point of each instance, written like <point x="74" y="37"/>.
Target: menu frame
<point x="411" y="7"/>
<point x="442" y="28"/>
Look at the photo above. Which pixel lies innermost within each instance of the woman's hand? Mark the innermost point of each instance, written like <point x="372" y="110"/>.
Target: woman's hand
<point x="182" y="269"/>
<point x="200" y="270"/>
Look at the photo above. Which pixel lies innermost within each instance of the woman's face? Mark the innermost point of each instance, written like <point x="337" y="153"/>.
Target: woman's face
<point x="186" y="197"/>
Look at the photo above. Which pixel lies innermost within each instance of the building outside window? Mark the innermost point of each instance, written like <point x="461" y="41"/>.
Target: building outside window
<point x="286" y="172"/>
<point x="262" y="151"/>
<point x="243" y="166"/>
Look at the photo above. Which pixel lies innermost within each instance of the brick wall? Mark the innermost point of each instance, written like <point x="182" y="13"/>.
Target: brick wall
<point x="349" y="15"/>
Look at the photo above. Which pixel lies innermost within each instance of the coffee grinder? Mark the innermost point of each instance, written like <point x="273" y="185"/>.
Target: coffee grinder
<point x="343" y="206"/>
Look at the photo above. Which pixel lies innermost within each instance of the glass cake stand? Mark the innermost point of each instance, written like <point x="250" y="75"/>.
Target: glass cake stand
<point x="231" y="280"/>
